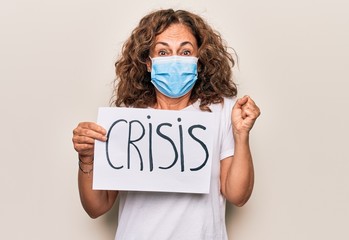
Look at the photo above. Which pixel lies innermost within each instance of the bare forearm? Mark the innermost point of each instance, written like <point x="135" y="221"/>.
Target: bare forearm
<point x="239" y="179"/>
<point x="95" y="202"/>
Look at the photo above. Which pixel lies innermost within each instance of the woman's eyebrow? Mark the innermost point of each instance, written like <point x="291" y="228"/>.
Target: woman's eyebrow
<point x="162" y="43"/>
<point x="185" y="43"/>
<point x="181" y="44"/>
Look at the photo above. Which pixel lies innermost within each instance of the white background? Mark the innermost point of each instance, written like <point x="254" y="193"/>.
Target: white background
<point x="56" y="68"/>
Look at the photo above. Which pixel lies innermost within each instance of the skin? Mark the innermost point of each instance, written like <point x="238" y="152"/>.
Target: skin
<point x="237" y="174"/>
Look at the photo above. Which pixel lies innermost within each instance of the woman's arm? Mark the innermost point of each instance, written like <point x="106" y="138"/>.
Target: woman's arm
<point x="95" y="202"/>
<point x="237" y="174"/>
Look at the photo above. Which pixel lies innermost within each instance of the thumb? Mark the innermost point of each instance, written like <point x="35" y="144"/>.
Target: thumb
<point x="241" y="101"/>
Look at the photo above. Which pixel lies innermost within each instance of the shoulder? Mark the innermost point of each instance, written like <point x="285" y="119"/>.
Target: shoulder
<point x="225" y="106"/>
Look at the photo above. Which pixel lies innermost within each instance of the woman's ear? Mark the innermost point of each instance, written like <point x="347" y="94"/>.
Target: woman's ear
<point x="148" y="63"/>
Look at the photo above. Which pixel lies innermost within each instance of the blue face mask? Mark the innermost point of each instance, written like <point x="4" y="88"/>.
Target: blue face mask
<point x="174" y="76"/>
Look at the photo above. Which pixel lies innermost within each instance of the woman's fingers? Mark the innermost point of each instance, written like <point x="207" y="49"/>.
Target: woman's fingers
<point x="89" y="130"/>
<point x="84" y="136"/>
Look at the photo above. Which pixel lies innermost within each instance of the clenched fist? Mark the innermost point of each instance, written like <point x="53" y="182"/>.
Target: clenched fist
<point x="244" y="114"/>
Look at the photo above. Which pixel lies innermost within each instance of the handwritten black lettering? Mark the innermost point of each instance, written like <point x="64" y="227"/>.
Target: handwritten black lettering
<point x="151" y="163"/>
<point x="181" y="144"/>
<point x="132" y="142"/>
<point x="190" y="131"/>
<point x="136" y="140"/>
<point x="107" y="143"/>
<point x="171" y="142"/>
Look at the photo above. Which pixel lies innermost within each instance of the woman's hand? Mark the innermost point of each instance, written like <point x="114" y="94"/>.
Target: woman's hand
<point x="84" y="136"/>
<point x="244" y="114"/>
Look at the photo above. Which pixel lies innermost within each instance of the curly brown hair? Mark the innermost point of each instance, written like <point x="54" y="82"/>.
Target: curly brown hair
<point x="133" y="85"/>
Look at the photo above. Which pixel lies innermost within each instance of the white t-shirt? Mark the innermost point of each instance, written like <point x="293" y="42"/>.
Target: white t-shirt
<point x="181" y="216"/>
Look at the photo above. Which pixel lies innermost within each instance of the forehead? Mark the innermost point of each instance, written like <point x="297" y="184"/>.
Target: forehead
<point x="176" y="32"/>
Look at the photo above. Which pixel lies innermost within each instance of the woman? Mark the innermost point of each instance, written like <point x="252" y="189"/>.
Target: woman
<point x="165" y="41"/>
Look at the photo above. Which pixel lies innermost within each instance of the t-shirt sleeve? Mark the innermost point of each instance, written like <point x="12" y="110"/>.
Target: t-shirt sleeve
<point x="227" y="143"/>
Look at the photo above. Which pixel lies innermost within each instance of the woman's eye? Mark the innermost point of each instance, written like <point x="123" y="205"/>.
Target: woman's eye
<point x="186" y="53"/>
<point x="162" y="53"/>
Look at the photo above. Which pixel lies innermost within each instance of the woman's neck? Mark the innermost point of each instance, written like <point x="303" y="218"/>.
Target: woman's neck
<point x="166" y="103"/>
